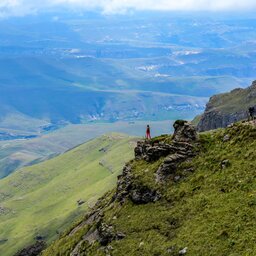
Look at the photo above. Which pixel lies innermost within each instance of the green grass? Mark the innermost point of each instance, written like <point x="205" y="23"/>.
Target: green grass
<point x="15" y="154"/>
<point x="211" y="211"/>
<point x="42" y="199"/>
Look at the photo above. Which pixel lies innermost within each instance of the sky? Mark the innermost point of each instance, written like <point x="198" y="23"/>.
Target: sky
<point x="24" y="7"/>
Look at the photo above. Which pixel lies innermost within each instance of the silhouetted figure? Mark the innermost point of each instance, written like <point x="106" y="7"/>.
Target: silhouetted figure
<point x="251" y="111"/>
<point x="148" y="135"/>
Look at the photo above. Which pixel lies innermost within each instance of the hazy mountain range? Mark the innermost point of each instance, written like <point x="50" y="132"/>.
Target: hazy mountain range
<point x="58" y="67"/>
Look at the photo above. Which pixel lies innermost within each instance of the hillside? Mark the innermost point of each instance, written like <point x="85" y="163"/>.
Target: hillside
<point x="183" y="195"/>
<point x="227" y="108"/>
<point x="17" y="153"/>
<point x="40" y="201"/>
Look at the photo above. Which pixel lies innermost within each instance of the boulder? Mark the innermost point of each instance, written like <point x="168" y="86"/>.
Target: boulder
<point x="184" y="131"/>
<point x="80" y="202"/>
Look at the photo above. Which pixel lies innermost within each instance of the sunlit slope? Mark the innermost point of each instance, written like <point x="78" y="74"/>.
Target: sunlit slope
<point x="42" y="199"/>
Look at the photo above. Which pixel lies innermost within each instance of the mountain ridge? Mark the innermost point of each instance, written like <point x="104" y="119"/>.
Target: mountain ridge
<point x="225" y="109"/>
<point x="203" y="205"/>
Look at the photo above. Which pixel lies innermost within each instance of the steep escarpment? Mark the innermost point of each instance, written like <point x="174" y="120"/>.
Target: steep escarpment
<point x="227" y="108"/>
<point x="185" y="194"/>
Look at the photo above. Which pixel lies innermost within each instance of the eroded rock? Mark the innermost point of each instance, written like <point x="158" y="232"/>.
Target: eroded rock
<point x="183" y="145"/>
<point x="126" y="188"/>
<point x="144" y="195"/>
<point x="107" y="234"/>
<point x="32" y="250"/>
<point x="184" y="131"/>
<point x="124" y="184"/>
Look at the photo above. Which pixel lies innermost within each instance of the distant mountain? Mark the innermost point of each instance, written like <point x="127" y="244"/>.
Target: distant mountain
<point x="189" y="194"/>
<point x="63" y="68"/>
<point x="227" y="108"/>
<point x="40" y="201"/>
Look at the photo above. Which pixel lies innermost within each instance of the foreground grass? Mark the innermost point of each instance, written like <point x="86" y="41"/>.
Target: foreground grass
<point x="42" y="199"/>
<point x="211" y="211"/>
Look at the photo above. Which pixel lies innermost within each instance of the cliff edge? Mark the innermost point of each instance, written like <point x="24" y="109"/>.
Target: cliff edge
<point x="225" y="109"/>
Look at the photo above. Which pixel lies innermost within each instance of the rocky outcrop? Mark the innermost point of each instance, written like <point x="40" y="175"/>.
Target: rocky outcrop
<point x="175" y="150"/>
<point x="101" y="232"/>
<point x="184" y="132"/>
<point x="144" y="195"/>
<point x="107" y="234"/>
<point x="127" y="188"/>
<point x="33" y="250"/>
<point x="181" y="148"/>
<point x="225" y="109"/>
<point x="151" y="151"/>
<point x="184" y="142"/>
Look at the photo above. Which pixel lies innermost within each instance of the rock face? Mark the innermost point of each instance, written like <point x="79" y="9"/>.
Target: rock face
<point x="215" y="119"/>
<point x="102" y="232"/>
<point x="183" y="145"/>
<point x="225" y="109"/>
<point x="126" y="188"/>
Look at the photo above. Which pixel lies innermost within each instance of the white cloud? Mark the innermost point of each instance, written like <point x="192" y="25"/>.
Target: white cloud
<point x="22" y="7"/>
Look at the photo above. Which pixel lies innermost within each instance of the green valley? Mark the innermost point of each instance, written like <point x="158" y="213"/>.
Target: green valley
<point x="43" y="199"/>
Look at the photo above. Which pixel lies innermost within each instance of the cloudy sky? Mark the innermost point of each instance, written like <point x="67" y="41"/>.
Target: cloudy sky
<point x="23" y="7"/>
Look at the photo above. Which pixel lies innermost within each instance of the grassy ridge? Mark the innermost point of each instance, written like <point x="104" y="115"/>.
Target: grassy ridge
<point x="211" y="211"/>
<point x="15" y="154"/>
<point x="234" y="101"/>
<point x="42" y="199"/>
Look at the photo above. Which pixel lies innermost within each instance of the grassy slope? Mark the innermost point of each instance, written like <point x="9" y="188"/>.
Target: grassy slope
<point x="211" y="211"/>
<point x="15" y="154"/>
<point x="42" y="199"/>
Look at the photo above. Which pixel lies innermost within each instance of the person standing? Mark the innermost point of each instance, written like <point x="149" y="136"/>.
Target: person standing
<point x="251" y="111"/>
<point x="148" y="134"/>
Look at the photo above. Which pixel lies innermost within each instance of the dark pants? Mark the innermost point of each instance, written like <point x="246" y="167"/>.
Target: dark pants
<point x="251" y="116"/>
